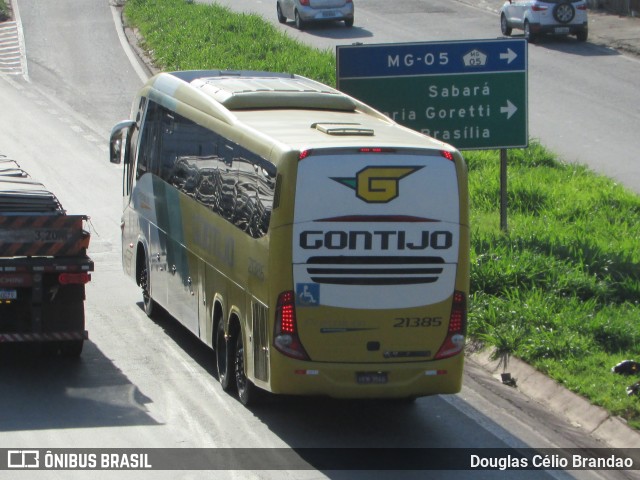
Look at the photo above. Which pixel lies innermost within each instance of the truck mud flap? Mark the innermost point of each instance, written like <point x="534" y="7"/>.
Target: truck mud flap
<point x="43" y="337"/>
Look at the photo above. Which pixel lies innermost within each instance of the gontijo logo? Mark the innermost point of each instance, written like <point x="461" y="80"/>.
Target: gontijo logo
<point x="377" y="184"/>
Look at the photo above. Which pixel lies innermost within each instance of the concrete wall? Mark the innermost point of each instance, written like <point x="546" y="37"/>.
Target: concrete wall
<point x="621" y="7"/>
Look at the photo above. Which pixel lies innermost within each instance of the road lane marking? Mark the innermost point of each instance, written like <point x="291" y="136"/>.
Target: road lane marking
<point x="126" y="47"/>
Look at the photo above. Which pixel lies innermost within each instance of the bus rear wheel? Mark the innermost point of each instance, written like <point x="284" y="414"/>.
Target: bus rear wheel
<point x="247" y="392"/>
<point x="223" y="359"/>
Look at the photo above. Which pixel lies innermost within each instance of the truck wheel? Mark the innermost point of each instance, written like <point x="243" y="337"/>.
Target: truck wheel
<point x="247" y="392"/>
<point x="65" y="349"/>
<point x="66" y="314"/>
<point x="223" y="359"/>
<point x="71" y="348"/>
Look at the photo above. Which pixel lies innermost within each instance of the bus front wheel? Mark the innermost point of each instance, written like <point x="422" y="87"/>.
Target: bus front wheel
<point x="145" y="283"/>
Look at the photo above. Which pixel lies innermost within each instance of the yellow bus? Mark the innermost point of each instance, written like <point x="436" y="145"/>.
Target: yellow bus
<point x="318" y="247"/>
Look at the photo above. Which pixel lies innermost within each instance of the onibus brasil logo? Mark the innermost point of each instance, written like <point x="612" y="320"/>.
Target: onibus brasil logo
<point x="377" y="184"/>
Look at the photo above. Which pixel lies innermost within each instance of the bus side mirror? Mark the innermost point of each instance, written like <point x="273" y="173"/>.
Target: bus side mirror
<point x="119" y="137"/>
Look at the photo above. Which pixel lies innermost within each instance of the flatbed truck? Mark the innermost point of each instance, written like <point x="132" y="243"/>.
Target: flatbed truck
<point x="44" y="266"/>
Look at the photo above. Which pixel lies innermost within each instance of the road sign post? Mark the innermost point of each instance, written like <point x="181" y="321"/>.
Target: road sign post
<point x="503" y="189"/>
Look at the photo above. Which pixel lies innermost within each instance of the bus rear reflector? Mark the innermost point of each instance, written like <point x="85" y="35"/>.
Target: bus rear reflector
<point x="285" y="338"/>
<point x="74" y="278"/>
<point x="454" y="342"/>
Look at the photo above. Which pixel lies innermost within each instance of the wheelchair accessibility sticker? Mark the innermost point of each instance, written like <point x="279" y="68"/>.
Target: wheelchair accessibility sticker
<point x="308" y="294"/>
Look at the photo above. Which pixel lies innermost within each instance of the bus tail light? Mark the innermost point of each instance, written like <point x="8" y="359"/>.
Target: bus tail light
<point x="285" y="338"/>
<point x="304" y="154"/>
<point x="74" y="278"/>
<point x="447" y="154"/>
<point x="454" y="342"/>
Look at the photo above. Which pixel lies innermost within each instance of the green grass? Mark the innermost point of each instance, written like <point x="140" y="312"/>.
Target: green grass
<point x="560" y="290"/>
<point x="183" y="36"/>
<point x="4" y="11"/>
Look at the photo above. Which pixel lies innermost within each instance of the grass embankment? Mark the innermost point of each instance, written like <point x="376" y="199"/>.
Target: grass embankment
<point x="560" y="290"/>
<point x="4" y="11"/>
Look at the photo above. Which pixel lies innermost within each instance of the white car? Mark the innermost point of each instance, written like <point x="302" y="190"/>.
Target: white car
<point x="537" y="17"/>
<point x="305" y="11"/>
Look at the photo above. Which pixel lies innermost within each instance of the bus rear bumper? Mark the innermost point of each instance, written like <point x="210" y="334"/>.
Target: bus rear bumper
<point x="399" y="380"/>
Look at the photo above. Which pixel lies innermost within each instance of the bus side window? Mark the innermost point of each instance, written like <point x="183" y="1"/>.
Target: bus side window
<point x="133" y="146"/>
<point x="253" y="193"/>
<point x="229" y="179"/>
<point x="183" y="138"/>
<point x="169" y="145"/>
<point x="149" y="140"/>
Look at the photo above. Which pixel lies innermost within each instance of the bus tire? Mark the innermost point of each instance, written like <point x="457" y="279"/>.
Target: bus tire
<point x="247" y="392"/>
<point x="145" y="283"/>
<point x="224" y="364"/>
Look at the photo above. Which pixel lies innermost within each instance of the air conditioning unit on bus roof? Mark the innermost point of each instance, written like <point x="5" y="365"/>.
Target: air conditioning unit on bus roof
<point x="237" y="93"/>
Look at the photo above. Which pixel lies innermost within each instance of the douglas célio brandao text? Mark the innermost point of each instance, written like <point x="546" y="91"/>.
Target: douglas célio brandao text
<point x="551" y="462"/>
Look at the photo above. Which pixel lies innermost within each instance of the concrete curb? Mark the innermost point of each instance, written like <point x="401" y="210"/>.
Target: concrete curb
<point x="612" y="430"/>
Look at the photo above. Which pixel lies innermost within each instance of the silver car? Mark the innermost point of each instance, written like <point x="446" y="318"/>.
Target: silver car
<point x="538" y="17"/>
<point x="305" y="11"/>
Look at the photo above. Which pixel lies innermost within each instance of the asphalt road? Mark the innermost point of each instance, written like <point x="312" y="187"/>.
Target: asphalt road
<point x="143" y="383"/>
<point x="71" y="57"/>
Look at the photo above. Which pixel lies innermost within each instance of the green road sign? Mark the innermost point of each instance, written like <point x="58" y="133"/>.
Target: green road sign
<point x="472" y="95"/>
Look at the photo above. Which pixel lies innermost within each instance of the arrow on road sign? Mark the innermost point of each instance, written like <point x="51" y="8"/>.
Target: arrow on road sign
<point x="510" y="56"/>
<point x="510" y="109"/>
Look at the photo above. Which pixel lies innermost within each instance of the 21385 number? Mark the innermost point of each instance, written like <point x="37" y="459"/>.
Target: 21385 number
<point x="416" y="322"/>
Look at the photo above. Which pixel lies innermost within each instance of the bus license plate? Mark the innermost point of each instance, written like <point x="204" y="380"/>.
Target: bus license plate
<point x="7" y="294"/>
<point x="371" y="378"/>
